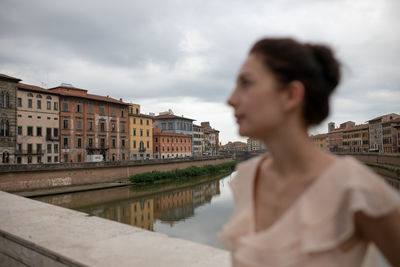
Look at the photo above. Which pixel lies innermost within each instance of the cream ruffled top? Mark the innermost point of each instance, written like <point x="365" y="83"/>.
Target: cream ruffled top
<point x="310" y="232"/>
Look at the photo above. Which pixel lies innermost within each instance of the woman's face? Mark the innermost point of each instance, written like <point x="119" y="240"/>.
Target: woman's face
<point x="257" y="100"/>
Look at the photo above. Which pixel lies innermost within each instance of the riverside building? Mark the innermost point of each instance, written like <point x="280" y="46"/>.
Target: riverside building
<point x="140" y="134"/>
<point x="37" y="125"/>
<point x="92" y="127"/>
<point x="8" y="118"/>
<point x="198" y="140"/>
<point x="171" y="145"/>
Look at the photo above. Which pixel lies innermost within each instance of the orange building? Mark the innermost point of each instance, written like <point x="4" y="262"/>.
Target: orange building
<point x="92" y="127"/>
<point x="355" y="139"/>
<point x="171" y="145"/>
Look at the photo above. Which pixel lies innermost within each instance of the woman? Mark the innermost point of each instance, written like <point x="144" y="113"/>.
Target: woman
<point x="300" y="206"/>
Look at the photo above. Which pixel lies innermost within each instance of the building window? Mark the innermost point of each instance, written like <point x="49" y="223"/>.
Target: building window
<point x="48" y="148"/>
<point x="65" y="157"/>
<point x="79" y="123"/>
<point x="65" y="105"/>
<point x="19" y="160"/>
<point x="134" y="144"/>
<point x="147" y="122"/>
<point x="79" y="142"/>
<point x="79" y="107"/>
<point x="55" y="105"/>
<point x="113" y="126"/>
<point x="38" y="131"/>
<point x="39" y="148"/>
<point x="55" y="132"/>
<point x="134" y="120"/>
<point x="137" y="111"/>
<point x="123" y="142"/>
<point x="4" y="128"/>
<point x="39" y="104"/>
<point x="48" y="105"/>
<point x="102" y="110"/>
<point x="148" y="132"/>
<point x="90" y="142"/>
<point x="29" y="103"/>
<point x="102" y="126"/>
<point x="90" y="125"/>
<point x="30" y="131"/>
<point x="56" y="149"/>
<point x="19" y="102"/>
<point x="65" y="142"/>
<point x="65" y="123"/>
<point x="122" y="113"/>
<point x="113" y="143"/>
<point x="79" y="157"/>
<point x="123" y="127"/>
<point x="4" y="100"/>
<point x="134" y="131"/>
<point x="90" y="108"/>
<point x="56" y="159"/>
<point x="141" y="122"/>
<point x="102" y="142"/>
<point x="163" y="126"/>
<point x="19" y="147"/>
<point x="49" y="159"/>
<point x="113" y="111"/>
<point x="170" y="126"/>
<point x="148" y="144"/>
<point x="141" y="132"/>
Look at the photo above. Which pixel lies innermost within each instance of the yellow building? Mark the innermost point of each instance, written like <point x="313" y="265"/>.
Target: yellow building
<point x="320" y="140"/>
<point x="142" y="214"/>
<point x="140" y="134"/>
<point x="355" y="139"/>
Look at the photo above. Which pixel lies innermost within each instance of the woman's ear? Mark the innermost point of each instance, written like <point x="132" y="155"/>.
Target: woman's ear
<point x="293" y="95"/>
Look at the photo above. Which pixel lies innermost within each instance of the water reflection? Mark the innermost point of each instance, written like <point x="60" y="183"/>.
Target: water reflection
<point x="194" y="212"/>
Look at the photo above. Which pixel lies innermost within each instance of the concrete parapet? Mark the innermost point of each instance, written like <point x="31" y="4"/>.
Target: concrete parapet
<point x="15" y="178"/>
<point x="33" y="233"/>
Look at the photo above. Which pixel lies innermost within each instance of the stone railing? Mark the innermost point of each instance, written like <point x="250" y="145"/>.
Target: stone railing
<point x="33" y="233"/>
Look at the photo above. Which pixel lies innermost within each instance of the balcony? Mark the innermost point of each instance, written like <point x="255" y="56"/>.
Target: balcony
<point x="52" y="138"/>
<point x="28" y="152"/>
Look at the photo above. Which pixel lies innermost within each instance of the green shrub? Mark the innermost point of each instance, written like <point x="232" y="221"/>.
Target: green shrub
<point x="182" y="174"/>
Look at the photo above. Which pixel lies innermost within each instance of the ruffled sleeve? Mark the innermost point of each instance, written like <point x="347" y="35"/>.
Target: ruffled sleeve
<point x="327" y="213"/>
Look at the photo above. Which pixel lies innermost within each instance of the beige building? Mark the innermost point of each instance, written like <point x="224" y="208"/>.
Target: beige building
<point x="37" y="125"/>
<point x="198" y="140"/>
<point x="255" y="145"/>
<point x="321" y="141"/>
<point x="376" y="131"/>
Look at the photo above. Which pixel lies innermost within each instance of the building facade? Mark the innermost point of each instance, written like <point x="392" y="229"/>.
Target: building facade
<point x="171" y="145"/>
<point x="198" y="140"/>
<point x="211" y="139"/>
<point x="38" y="136"/>
<point x="390" y="135"/>
<point x="8" y="118"/>
<point x="140" y="134"/>
<point x="356" y="139"/>
<point x="376" y="131"/>
<point x="255" y="145"/>
<point x="92" y="127"/>
<point x="321" y="141"/>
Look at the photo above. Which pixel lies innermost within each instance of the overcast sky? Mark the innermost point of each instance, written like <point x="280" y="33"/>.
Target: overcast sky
<point x="184" y="54"/>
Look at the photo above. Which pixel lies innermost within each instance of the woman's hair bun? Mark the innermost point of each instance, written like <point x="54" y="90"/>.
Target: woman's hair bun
<point x="330" y="67"/>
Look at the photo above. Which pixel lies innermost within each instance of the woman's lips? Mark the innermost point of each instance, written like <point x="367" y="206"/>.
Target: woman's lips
<point x="239" y="117"/>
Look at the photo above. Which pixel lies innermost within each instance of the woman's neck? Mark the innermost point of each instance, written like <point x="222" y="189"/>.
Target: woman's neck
<point x="293" y="152"/>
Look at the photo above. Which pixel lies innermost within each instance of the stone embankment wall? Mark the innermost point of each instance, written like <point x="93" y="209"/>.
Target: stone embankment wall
<point x="33" y="233"/>
<point x="15" y="178"/>
<point x="376" y="158"/>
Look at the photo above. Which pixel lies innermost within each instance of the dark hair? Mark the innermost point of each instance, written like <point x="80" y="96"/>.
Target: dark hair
<point x="312" y="64"/>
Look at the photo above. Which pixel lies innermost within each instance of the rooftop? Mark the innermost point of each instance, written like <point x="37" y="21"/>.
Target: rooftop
<point x="9" y="77"/>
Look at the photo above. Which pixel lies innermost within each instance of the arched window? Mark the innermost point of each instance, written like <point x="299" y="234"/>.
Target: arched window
<point x="30" y="94"/>
<point x="48" y="97"/>
<point x="6" y="157"/>
<point x="38" y="96"/>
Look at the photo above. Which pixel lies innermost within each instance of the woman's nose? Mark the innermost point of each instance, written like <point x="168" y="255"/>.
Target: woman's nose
<point x="232" y="100"/>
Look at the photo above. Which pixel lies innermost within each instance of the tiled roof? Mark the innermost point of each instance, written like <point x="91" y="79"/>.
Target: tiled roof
<point x="34" y="88"/>
<point x="170" y="116"/>
<point x="357" y="127"/>
<point x="86" y="96"/>
<point x="380" y="117"/>
<point x="9" y="77"/>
